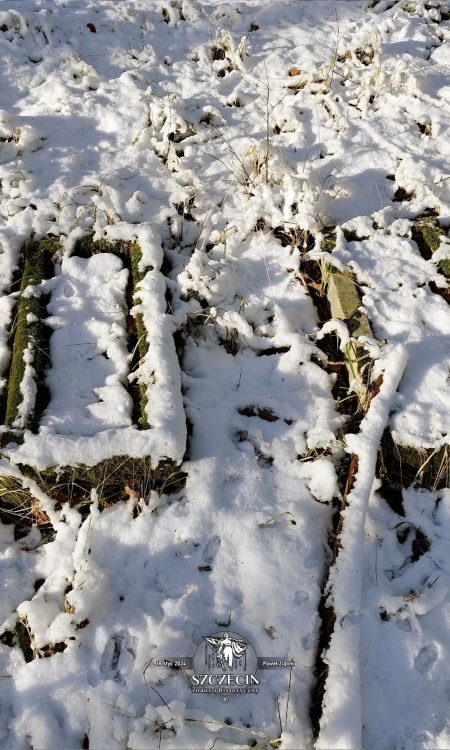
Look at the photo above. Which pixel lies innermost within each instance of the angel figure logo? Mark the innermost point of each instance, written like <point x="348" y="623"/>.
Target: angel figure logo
<point x="225" y="663"/>
<point x="225" y="651"/>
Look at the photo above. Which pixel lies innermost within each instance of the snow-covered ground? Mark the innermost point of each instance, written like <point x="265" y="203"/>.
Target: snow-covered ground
<point x="225" y="138"/>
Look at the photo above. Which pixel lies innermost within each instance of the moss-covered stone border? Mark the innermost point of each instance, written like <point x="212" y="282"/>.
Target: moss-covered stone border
<point x="114" y="479"/>
<point x="427" y="234"/>
<point x="345" y="303"/>
<point x="329" y="239"/>
<point x="29" y="328"/>
<point x="400" y="466"/>
<point x="444" y="266"/>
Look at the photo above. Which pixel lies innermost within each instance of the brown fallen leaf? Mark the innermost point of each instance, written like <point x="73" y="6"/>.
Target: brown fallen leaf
<point x="132" y="494"/>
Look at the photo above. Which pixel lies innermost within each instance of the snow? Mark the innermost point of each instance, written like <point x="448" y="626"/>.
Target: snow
<point x="178" y="125"/>
<point x="408" y="646"/>
<point x="88" y="347"/>
<point x="27" y="388"/>
<point x="341" y="724"/>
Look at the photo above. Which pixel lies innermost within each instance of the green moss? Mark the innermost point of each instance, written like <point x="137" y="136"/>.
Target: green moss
<point x="37" y="264"/>
<point x="444" y="265"/>
<point x="427" y="234"/>
<point x="141" y="331"/>
<point x="142" y="348"/>
<point x="328" y="243"/>
<point x="113" y="479"/>
<point x="110" y="478"/>
<point x="432" y="236"/>
<point x="51" y="246"/>
<point x="404" y="465"/>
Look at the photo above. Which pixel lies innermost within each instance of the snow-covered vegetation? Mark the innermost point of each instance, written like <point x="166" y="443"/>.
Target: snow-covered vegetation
<point x="224" y="370"/>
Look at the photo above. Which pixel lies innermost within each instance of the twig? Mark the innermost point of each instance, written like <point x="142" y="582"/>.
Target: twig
<point x="289" y="694"/>
<point x="144" y="669"/>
